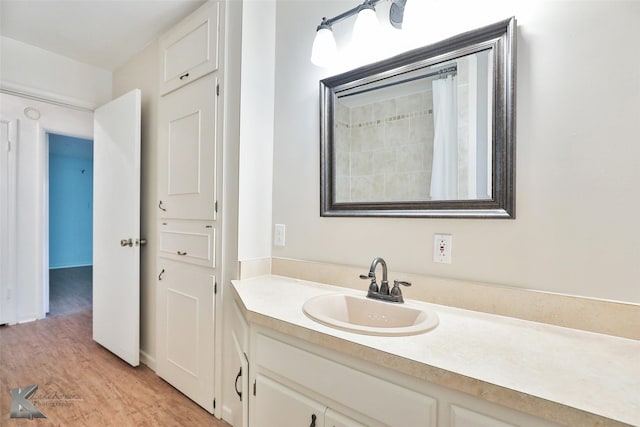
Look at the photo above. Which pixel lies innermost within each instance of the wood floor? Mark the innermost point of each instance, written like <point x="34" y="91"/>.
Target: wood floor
<point x="82" y="384"/>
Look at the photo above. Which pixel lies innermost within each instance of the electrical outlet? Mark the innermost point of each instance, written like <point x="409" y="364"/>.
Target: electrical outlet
<point x="442" y="244"/>
<point x="279" y="235"/>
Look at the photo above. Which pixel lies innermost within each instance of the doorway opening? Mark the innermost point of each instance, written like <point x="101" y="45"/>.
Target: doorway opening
<point x="70" y="166"/>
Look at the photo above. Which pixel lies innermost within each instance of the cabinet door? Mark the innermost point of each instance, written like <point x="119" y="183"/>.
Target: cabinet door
<point x="185" y="329"/>
<point x="187" y="163"/>
<point x="462" y="417"/>
<point x="361" y="392"/>
<point x="239" y="404"/>
<point x="190" y="49"/>
<point x="335" y="419"/>
<point x="279" y="406"/>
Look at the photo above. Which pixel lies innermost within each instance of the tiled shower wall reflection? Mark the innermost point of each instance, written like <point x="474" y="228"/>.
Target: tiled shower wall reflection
<point x="384" y="150"/>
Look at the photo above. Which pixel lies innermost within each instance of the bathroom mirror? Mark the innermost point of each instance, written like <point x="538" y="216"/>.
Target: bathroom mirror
<point x="427" y="133"/>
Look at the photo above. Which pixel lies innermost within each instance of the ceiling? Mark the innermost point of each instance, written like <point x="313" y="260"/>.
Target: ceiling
<point x="103" y="33"/>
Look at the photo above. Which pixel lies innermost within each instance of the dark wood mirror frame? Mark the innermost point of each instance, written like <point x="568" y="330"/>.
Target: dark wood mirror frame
<point x="501" y="39"/>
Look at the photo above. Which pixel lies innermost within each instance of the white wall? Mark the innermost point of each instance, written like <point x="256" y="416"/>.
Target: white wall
<point x="32" y="203"/>
<point x="578" y="110"/>
<point x="33" y="71"/>
<point x="141" y="72"/>
<point x="256" y="129"/>
<point x="36" y="74"/>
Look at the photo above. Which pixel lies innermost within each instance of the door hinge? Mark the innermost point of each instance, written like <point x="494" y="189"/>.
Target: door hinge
<point x="214" y="404"/>
<point x="215" y="288"/>
<point x="215" y="206"/>
<point x="254" y="387"/>
<point x="218" y="89"/>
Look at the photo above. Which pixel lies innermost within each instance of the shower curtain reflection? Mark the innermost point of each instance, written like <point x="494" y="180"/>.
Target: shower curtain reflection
<point x="444" y="173"/>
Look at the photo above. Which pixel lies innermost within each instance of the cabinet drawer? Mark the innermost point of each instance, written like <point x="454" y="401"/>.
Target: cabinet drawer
<point x="352" y="388"/>
<point x="186" y="241"/>
<point x="190" y="50"/>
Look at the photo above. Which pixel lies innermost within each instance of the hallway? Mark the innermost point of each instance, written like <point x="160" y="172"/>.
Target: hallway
<point x="70" y="290"/>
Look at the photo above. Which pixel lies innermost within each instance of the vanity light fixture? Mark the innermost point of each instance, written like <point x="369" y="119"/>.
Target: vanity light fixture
<point x="324" y="45"/>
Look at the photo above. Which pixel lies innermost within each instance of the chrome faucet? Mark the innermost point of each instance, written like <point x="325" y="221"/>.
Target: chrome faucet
<point x="382" y="292"/>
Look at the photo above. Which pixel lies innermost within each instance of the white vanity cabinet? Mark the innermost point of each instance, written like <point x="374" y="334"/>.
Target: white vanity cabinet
<point x="295" y="383"/>
<point x="190" y="49"/>
<point x="458" y="375"/>
<point x="286" y="377"/>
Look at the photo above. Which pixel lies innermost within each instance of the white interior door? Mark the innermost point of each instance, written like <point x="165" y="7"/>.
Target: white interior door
<point x="116" y="227"/>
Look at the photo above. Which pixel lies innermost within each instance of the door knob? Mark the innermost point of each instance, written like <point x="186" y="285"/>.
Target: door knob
<point x="126" y="242"/>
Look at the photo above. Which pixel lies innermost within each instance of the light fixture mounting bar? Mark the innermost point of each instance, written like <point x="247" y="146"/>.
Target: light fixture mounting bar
<point x="329" y="22"/>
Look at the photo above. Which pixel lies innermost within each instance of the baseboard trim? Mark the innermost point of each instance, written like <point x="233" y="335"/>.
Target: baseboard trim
<point x="148" y="360"/>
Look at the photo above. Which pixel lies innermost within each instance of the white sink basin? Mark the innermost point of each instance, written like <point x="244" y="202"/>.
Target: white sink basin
<point x="368" y="316"/>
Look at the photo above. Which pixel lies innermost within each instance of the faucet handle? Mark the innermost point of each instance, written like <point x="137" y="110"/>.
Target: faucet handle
<point x="400" y="282"/>
<point x="396" y="292"/>
<point x="373" y="287"/>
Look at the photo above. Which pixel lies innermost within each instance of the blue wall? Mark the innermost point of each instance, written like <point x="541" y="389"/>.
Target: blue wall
<point x="70" y="201"/>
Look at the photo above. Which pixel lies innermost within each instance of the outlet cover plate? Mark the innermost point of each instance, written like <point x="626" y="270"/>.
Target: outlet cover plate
<point x="279" y="234"/>
<point x="442" y="245"/>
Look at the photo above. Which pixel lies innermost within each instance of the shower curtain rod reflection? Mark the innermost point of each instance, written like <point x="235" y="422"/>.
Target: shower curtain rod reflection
<point x="440" y="73"/>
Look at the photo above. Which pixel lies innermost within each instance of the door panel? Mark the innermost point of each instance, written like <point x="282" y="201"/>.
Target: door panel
<point x="335" y="419"/>
<point x="186" y="329"/>
<point x="190" y="49"/>
<point x="278" y="406"/>
<point x="462" y="417"/>
<point x="187" y="151"/>
<point x="116" y="218"/>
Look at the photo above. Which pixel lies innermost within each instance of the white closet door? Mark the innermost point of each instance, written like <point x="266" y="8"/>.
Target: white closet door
<point x="187" y="138"/>
<point x="186" y="335"/>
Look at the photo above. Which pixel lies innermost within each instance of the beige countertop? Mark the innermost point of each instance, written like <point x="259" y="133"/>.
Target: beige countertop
<point x="565" y="375"/>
